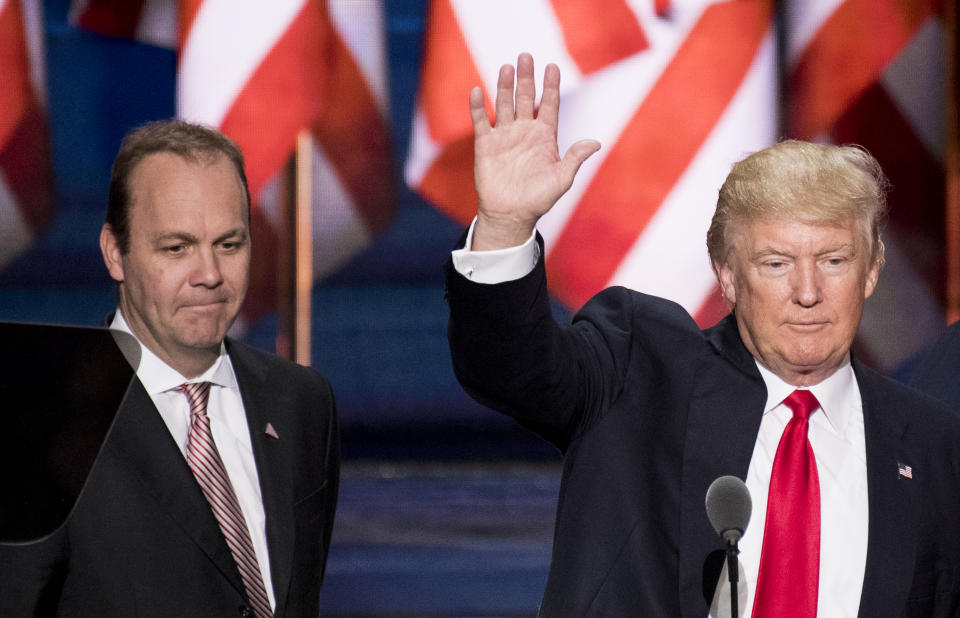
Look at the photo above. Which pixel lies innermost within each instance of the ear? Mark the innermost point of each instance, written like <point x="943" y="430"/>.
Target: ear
<point x="728" y="287"/>
<point x="110" y="248"/>
<point x="871" y="279"/>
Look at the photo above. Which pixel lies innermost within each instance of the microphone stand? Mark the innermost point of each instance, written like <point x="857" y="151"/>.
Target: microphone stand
<point x="733" y="569"/>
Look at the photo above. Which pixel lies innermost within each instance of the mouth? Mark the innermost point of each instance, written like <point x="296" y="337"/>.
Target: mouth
<point x="807" y="326"/>
<point x="213" y="305"/>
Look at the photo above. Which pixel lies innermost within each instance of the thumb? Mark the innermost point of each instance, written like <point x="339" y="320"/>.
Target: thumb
<point x="574" y="158"/>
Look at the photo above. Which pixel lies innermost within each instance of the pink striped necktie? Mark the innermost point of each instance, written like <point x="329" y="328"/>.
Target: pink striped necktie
<point x="204" y="460"/>
<point x="789" y="575"/>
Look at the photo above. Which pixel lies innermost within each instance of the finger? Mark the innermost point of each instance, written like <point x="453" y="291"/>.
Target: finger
<point x="574" y="158"/>
<point x="550" y="99"/>
<point x="526" y="87"/>
<point x="478" y="112"/>
<point x="504" y="105"/>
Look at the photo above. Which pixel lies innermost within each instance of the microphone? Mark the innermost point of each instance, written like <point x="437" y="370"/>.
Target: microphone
<point x="728" y="509"/>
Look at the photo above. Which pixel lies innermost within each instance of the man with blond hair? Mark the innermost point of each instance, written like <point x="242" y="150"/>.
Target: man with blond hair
<point x="854" y="478"/>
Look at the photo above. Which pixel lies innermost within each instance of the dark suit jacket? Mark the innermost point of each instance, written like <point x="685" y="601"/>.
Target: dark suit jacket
<point x="648" y="410"/>
<point x="142" y="540"/>
<point x="939" y="373"/>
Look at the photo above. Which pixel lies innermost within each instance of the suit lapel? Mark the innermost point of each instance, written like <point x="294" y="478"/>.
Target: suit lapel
<point x="262" y="405"/>
<point x="894" y="502"/>
<point x="726" y="407"/>
<point x="147" y="449"/>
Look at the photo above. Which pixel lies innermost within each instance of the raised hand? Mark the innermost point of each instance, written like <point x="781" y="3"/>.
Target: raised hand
<point x="517" y="166"/>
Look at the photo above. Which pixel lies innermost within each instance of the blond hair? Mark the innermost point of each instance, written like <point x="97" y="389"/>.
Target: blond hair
<point x="804" y="181"/>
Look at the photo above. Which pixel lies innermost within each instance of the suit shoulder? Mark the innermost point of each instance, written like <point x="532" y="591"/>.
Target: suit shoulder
<point x="658" y="316"/>
<point x="920" y="409"/>
<point x="269" y="364"/>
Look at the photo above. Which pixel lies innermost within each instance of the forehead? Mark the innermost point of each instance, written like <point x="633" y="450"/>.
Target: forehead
<point x="166" y="188"/>
<point x="794" y="234"/>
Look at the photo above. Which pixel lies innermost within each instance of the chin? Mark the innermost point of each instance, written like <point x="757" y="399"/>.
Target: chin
<point x="808" y="358"/>
<point x="203" y="341"/>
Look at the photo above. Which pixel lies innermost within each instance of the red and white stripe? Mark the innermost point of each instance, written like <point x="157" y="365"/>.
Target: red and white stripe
<point x="676" y="92"/>
<point x="26" y="200"/>
<point x="211" y="475"/>
<point x="873" y="72"/>
<point x="149" y="21"/>
<point x="262" y="72"/>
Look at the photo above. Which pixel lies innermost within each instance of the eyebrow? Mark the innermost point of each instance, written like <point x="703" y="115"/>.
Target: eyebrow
<point x="768" y="251"/>
<point x="238" y="233"/>
<point x="182" y="236"/>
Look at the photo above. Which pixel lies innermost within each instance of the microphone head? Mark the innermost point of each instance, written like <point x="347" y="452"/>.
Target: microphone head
<point x="728" y="507"/>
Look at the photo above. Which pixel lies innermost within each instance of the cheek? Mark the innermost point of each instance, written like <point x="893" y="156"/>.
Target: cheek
<point x="238" y="275"/>
<point x="761" y="298"/>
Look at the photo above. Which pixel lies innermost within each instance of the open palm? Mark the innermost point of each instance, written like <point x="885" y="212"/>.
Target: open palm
<point x="518" y="169"/>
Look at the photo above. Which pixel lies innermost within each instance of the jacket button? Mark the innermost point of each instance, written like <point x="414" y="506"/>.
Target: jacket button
<point x="246" y="612"/>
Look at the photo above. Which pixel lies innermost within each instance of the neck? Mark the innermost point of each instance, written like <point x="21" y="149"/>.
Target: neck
<point x="193" y="366"/>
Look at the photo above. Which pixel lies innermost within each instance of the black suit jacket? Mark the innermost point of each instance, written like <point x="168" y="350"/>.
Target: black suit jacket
<point x="142" y="540"/>
<point x="648" y="410"/>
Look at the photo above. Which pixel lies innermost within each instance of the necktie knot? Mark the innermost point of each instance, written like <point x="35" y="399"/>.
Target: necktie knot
<point x="197" y="395"/>
<point x="802" y="402"/>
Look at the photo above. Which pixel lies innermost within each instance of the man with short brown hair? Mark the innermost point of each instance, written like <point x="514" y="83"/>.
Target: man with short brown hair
<point x="215" y="490"/>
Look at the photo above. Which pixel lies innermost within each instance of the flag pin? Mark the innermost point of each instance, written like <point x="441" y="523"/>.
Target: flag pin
<point x="270" y="431"/>
<point x="904" y="471"/>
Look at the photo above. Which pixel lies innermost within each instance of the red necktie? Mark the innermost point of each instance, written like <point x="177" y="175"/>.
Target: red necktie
<point x="789" y="573"/>
<point x="204" y="460"/>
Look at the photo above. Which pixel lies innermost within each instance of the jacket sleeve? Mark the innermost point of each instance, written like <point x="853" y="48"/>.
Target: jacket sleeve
<point x="510" y="354"/>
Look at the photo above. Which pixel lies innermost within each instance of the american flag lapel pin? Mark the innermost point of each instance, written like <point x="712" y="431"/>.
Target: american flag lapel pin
<point x="270" y="431"/>
<point x="904" y="471"/>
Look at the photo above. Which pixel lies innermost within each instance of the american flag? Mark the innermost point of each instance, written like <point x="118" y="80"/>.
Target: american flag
<point x="678" y="91"/>
<point x="262" y="72"/>
<point x="905" y="471"/>
<point x="26" y="200"/>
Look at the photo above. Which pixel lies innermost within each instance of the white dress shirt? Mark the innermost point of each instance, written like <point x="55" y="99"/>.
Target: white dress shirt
<point x="836" y="435"/>
<point x="228" y="424"/>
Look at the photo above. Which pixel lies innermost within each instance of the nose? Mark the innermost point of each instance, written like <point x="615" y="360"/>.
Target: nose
<point x="206" y="271"/>
<point x="807" y="290"/>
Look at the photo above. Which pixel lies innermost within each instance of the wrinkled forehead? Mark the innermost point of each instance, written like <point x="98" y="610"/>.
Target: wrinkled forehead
<point x="749" y="234"/>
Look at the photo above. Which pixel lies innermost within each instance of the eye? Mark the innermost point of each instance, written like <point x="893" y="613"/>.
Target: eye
<point x="836" y="263"/>
<point x="231" y="246"/>
<point x="174" y="249"/>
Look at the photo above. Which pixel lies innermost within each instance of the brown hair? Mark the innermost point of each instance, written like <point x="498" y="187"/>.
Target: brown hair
<point x="190" y="141"/>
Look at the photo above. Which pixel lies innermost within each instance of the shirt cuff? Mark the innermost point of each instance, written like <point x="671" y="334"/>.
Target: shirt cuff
<point x="496" y="266"/>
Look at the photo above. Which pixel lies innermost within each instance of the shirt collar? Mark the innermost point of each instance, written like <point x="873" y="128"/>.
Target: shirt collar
<point x="838" y="394"/>
<point x="158" y="377"/>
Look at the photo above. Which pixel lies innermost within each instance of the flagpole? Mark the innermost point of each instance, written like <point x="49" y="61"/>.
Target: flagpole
<point x="303" y="248"/>
<point x="295" y="262"/>
<point x="952" y="206"/>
